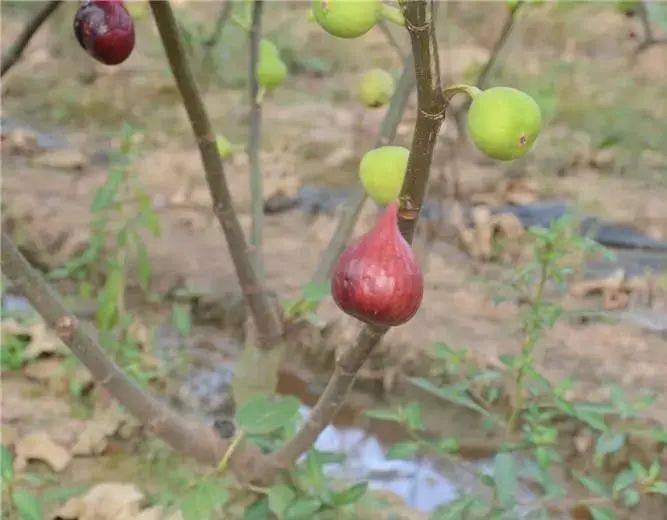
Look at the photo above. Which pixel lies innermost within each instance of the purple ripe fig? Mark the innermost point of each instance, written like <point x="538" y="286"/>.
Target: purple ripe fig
<point x="105" y="30"/>
<point x="377" y="278"/>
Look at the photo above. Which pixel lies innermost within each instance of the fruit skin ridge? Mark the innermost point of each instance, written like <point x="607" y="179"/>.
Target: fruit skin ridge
<point x="105" y="30"/>
<point x="504" y="122"/>
<point x="347" y="18"/>
<point x="377" y="279"/>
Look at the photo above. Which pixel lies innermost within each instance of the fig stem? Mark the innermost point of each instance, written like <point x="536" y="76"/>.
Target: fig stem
<point x="263" y="308"/>
<point x="451" y="91"/>
<point x="15" y="51"/>
<point x="254" y="141"/>
<point x="184" y="434"/>
<point x="392" y="14"/>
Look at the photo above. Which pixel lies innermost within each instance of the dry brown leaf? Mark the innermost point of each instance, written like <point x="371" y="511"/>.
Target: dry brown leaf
<point x="106" y="501"/>
<point x="61" y="159"/>
<point x="507" y="225"/>
<point x="40" y="446"/>
<point x="105" y="423"/>
<point x="42" y="341"/>
<point x="48" y="371"/>
<point x="519" y="192"/>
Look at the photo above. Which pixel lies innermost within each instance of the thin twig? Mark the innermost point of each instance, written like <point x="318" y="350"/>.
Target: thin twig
<point x="420" y="23"/>
<point x="263" y="309"/>
<point x="391" y="39"/>
<point x="15" y="51"/>
<point x="649" y="38"/>
<point x="254" y="142"/>
<point x="351" y="208"/>
<point x="223" y="16"/>
<point x="431" y="105"/>
<point x="183" y="434"/>
<point x="497" y="46"/>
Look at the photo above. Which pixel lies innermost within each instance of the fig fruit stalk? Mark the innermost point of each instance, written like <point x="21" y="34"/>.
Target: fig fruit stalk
<point x="377" y="278"/>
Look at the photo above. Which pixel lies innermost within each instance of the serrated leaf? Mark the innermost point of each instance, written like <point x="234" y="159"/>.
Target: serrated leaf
<point x="263" y="414"/>
<point x="609" y="442"/>
<point x="453" y="394"/>
<point x="6" y="464"/>
<point x="403" y="450"/>
<point x="631" y="498"/>
<point x="350" y="495"/>
<point x="27" y="505"/>
<point x="180" y="317"/>
<point x="505" y="477"/>
<point x="303" y="508"/>
<point x="316" y="292"/>
<point x="658" y="488"/>
<point x="383" y="414"/>
<point x="624" y="479"/>
<point x="595" y="486"/>
<point x="258" y="510"/>
<point x="602" y="513"/>
<point x="280" y="497"/>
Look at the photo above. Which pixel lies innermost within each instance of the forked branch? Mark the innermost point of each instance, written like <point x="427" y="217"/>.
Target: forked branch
<point x="263" y="309"/>
<point x="15" y="51"/>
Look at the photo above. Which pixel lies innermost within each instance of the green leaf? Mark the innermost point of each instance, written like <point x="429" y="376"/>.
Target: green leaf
<point x="27" y="505"/>
<point x="204" y="500"/>
<point x="403" y="450"/>
<point x="316" y="292"/>
<point x="455" y="394"/>
<point x="6" y="464"/>
<point x="107" y="311"/>
<point x="412" y="415"/>
<point x="447" y="445"/>
<point x="623" y="479"/>
<point x="180" y="317"/>
<point x="303" y="508"/>
<point x="658" y="488"/>
<point x="105" y="194"/>
<point x="457" y="510"/>
<point x="505" y="476"/>
<point x="602" y="513"/>
<point x="383" y="414"/>
<point x="144" y="266"/>
<point x="595" y="486"/>
<point x="280" y="497"/>
<point x="350" y="495"/>
<point x="608" y="443"/>
<point x="631" y="498"/>
<point x="264" y="414"/>
<point x="258" y="510"/>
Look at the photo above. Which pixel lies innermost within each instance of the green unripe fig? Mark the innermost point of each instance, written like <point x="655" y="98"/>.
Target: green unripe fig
<point x="376" y="88"/>
<point x="271" y="71"/>
<point x="268" y="48"/>
<point x="382" y="171"/>
<point x="347" y="18"/>
<point x="225" y="148"/>
<point x="503" y="122"/>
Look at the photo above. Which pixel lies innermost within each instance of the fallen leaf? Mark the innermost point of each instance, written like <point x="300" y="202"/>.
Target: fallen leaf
<point x="40" y="446"/>
<point x="42" y="341"/>
<point x="151" y="513"/>
<point x="61" y="159"/>
<point x="518" y="192"/>
<point x="105" y="423"/>
<point x="44" y="370"/>
<point x="106" y="501"/>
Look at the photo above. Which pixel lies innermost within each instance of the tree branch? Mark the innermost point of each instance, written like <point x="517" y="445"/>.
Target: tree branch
<point x="419" y="19"/>
<point x="15" y="51"/>
<point x="352" y="206"/>
<point x="223" y="16"/>
<point x="264" y="311"/>
<point x="333" y="397"/>
<point x="431" y="105"/>
<point x="254" y="142"/>
<point x="497" y="46"/>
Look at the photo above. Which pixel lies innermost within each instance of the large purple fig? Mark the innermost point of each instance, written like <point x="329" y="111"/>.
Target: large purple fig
<point x="105" y="30"/>
<point x="377" y="278"/>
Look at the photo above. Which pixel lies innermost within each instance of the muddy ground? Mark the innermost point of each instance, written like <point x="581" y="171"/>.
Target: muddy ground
<point x="62" y="114"/>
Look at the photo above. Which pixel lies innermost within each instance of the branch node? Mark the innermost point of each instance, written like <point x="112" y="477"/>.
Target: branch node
<point x="65" y="327"/>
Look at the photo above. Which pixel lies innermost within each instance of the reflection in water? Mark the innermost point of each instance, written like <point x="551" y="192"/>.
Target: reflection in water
<point x="423" y="484"/>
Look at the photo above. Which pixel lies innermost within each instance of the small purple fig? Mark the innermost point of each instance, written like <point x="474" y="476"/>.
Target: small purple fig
<point x="377" y="278"/>
<point x="105" y="30"/>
